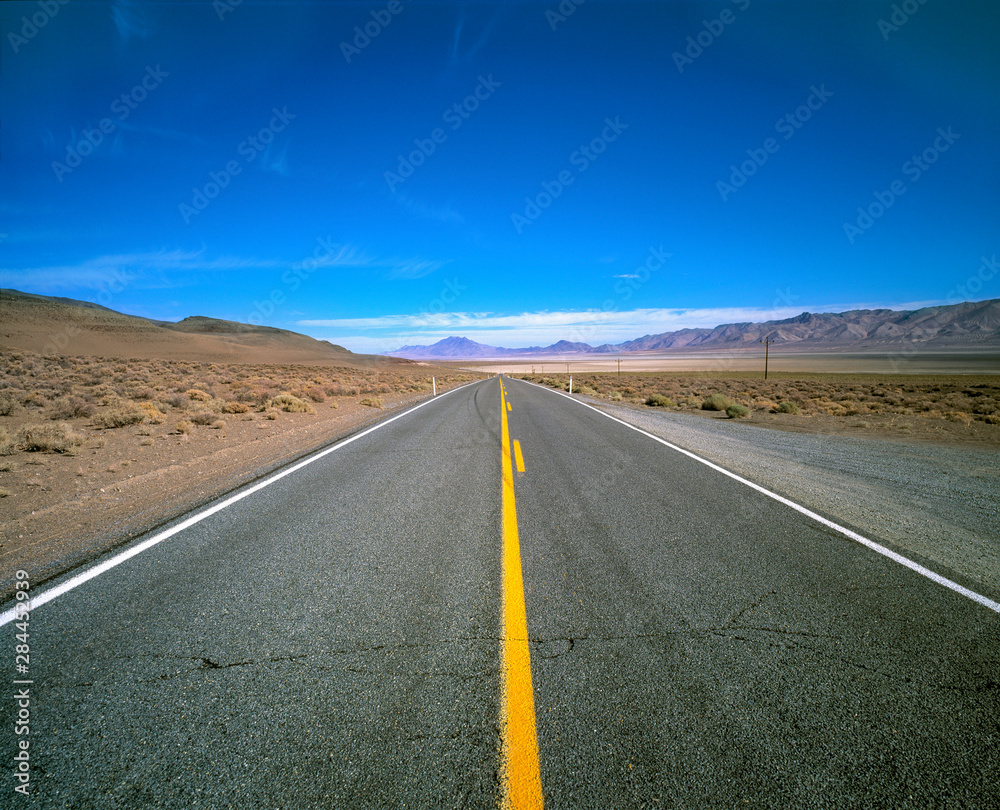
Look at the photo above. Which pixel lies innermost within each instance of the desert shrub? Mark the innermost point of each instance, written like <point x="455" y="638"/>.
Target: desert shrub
<point x="184" y="426"/>
<point x="178" y="401"/>
<point x="959" y="416"/>
<point x="586" y="390"/>
<point x="372" y="402"/>
<point x="202" y="418"/>
<point x="660" y="401"/>
<point x="152" y="413"/>
<point x="615" y="396"/>
<point x="48" y="438"/>
<point x="315" y="394"/>
<point x="8" y="403"/>
<point x="36" y="398"/>
<point x="7" y="444"/>
<point x="271" y="414"/>
<point x="736" y="411"/>
<point x="716" y="402"/>
<point x="218" y="424"/>
<point x="291" y="404"/>
<point x="235" y="407"/>
<point x="787" y="406"/>
<point x="141" y="392"/>
<point x="70" y="407"/>
<point x="120" y="414"/>
<point x="197" y="395"/>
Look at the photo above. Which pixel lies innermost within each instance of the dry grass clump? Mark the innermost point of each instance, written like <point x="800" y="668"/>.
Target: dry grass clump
<point x="153" y="415"/>
<point x="203" y="418"/>
<point x="716" y="402"/>
<point x="9" y="404"/>
<point x="372" y="402"/>
<point x="291" y="404"/>
<point x="736" y="411"/>
<point x="183" y="427"/>
<point x="197" y="395"/>
<point x="7" y="444"/>
<point x="48" y="438"/>
<point x="658" y="401"/>
<point x="69" y="408"/>
<point x="121" y="414"/>
<point x="232" y="406"/>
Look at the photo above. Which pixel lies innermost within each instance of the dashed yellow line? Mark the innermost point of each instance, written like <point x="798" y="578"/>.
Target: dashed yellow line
<point x="518" y="458"/>
<point x="522" y="781"/>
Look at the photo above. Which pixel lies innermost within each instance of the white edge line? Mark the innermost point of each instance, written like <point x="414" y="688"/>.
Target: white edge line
<point x="880" y="549"/>
<point x="54" y="593"/>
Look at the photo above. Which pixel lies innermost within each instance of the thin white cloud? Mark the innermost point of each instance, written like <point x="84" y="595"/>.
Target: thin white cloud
<point x="445" y="214"/>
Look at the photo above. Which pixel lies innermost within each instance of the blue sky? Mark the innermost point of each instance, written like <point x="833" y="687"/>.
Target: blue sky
<point x="380" y="174"/>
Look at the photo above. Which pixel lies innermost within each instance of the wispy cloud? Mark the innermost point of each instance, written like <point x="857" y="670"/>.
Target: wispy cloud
<point x="424" y="210"/>
<point x="150" y="270"/>
<point x="158" y="132"/>
<point x="175" y="268"/>
<point x="456" y="56"/>
<point x="130" y="19"/>
<point x="331" y="254"/>
<point x="275" y="160"/>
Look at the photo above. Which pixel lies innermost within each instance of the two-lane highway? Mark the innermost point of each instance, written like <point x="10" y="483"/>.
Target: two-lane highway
<point x="347" y="636"/>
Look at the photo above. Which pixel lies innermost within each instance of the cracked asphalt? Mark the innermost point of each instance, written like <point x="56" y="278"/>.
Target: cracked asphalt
<point x="333" y="640"/>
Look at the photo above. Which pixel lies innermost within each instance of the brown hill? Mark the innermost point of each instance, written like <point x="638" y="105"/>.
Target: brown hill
<point x="45" y="325"/>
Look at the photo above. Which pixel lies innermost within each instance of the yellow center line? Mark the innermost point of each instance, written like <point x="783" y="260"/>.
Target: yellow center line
<point x="518" y="458"/>
<point x="522" y="781"/>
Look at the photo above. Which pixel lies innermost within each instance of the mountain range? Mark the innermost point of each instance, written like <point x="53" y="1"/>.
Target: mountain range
<point x="964" y="325"/>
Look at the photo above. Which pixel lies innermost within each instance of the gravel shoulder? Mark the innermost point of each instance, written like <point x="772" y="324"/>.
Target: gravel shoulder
<point x="938" y="505"/>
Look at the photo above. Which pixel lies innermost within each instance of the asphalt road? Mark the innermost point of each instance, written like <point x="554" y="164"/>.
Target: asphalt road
<point x="334" y="640"/>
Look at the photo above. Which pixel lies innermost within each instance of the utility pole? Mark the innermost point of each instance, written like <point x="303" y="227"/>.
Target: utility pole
<point x="619" y="366"/>
<point x="767" y="341"/>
